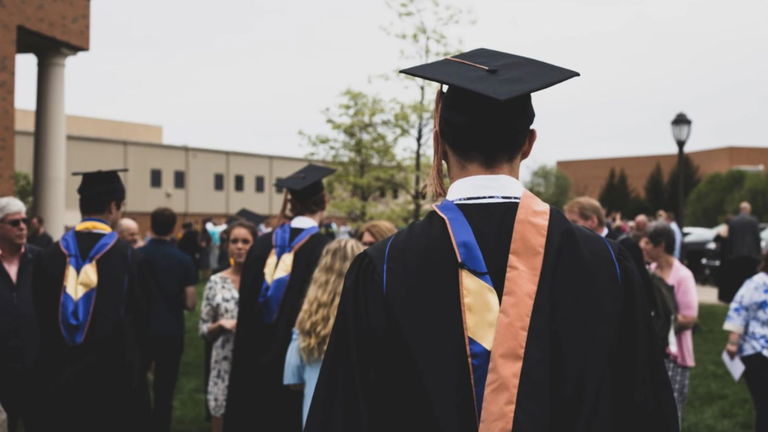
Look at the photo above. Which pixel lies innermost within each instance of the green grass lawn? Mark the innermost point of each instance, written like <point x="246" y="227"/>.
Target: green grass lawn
<point x="715" y="402"/>
<point x="189" y="405"/>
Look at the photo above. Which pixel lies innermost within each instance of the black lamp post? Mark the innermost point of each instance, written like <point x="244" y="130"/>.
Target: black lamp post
<point x="681" y="130"/>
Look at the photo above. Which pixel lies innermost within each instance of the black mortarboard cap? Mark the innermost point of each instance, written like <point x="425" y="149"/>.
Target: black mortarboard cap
<point x="101" y="182"/>
<point x="306" y="182"/>
<point x="489" y="92"/>
<point x="250" y="216"/>
<point x="495" y="74"/>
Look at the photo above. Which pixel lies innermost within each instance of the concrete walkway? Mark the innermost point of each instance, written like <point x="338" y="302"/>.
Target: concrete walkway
<point x="708" y="294"/>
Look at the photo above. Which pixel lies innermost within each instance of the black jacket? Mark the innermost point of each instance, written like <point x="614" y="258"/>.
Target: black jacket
<point x="19" y="335"/>
<point x="743" y="238"/>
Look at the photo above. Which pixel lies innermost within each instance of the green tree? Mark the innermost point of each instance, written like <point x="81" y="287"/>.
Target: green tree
<point x="22" y="183"/>
<point x="617" y="195"/>
<point x="361" y="146"/>
<point x="715" y="197"/>
<point x="691" y="178"/>
<point x="420" y="26"/>
<point x="608" y="194"/>
<point x="755" y="191"/>
<point x="655" y="189"/>
<point x="624" y="193"/>
<point x="550" y="184"/>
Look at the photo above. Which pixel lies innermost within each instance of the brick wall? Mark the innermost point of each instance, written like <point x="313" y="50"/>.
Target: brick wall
<point x="589" y="175"/>
<point x="24" y="25"/>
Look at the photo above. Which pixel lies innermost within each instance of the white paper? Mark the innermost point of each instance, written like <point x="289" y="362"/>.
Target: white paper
<point x="734" y="365"/>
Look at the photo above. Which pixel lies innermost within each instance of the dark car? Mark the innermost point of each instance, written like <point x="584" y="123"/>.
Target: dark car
<point x="702" y="251"/>
<point x="703" y="256"/>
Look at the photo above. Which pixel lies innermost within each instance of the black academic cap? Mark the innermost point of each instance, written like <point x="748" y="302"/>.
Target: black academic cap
<point x="250" y="216"/>
<point x="495" y="74"/>
<point x="306" y="182"/>
<point x="489" y="93"/>
<point x="100" y="182"/>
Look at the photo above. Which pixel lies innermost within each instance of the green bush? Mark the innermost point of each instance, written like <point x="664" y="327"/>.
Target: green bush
<point x="719" y="195"/>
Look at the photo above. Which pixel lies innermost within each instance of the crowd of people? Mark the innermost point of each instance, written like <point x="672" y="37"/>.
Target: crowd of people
<point x="494" y="312"/>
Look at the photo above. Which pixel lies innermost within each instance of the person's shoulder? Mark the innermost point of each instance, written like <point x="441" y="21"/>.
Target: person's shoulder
<point x="567" y="231"/>
<point x="318" y="239"/>
<point x="414" y="239"/>
<point x="683" y="272"/>
<point x="263" y="241"/>
<point x="758" y="282"/>
<point x="32" y="251"/>
<point x="124" y="248"/>
<point x="216" y="279"/>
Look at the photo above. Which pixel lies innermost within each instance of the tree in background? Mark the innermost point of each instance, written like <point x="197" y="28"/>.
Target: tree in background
<point x="550" y="184"/>
<point x="655" y="189"/>
<point x="22" y="184"/>
<point x="608" y="194"/>
<point x="716" y="197"/>
<point x="616" y="193"/>
<point x="361" y="146"/>
<point x="691" y="178"/>
<point x="421" y="26"/>
<point x="755" y="191"/>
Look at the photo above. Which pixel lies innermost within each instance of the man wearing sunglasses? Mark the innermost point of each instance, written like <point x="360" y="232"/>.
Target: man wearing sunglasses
<point x="18" y="325"/>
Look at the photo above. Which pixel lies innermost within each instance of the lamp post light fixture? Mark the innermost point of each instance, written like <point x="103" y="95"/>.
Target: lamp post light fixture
<point x="681" y="130"/>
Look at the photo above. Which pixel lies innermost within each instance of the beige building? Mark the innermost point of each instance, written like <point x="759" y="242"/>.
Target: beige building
<point x="194" y="182"/>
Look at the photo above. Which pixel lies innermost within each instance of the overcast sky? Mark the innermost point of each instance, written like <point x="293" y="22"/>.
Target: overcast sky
<point x="248" y="75"/>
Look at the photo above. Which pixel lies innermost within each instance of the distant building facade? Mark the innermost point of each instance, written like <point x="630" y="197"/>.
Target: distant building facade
<point x="588" y="176"/>
<point x="194" y="182"/>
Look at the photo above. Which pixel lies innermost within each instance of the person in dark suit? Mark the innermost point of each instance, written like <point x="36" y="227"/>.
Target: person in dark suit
<point x="19" y="336"/>
<point x="742" y="252"/>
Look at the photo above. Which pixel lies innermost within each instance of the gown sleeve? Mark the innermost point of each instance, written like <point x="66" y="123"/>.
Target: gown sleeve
<point x="345" y="398"/>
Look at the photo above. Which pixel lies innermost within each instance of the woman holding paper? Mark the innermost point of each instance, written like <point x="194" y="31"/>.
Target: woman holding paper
<point x="747" y="322"/>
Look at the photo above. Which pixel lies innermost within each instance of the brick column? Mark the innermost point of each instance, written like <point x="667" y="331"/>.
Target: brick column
<point x="7" y="133"/>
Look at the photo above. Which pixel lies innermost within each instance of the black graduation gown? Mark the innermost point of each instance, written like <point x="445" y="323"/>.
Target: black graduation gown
<point x="397" y="361"/>
<point x="99" y="385"/>
<point x="257" y="400"/>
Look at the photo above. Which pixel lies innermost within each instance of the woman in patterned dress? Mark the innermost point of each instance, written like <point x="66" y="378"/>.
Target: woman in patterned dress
<point x="747" y="322"/>
<point x="218" y="317"/>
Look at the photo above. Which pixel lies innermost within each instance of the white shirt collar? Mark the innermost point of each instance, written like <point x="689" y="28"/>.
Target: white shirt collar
<point x="605" y="231"/>
<point x="481" y="189"/>
<point x="303" y="222"/>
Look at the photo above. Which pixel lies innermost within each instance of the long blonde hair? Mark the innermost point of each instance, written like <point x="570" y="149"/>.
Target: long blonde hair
<point x="317" y="315"/>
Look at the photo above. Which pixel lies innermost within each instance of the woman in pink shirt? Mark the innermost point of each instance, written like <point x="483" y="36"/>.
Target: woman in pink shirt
<point x="658" y="248"/>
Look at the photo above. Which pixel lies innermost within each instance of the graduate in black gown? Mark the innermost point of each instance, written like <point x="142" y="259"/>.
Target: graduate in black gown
<point x="494" y="312"/>
<point x="271" y="294"/>
<point x="93" y="321"/>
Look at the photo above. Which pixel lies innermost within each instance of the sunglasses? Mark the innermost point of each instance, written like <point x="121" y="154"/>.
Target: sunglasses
<point x="16" y="223"/>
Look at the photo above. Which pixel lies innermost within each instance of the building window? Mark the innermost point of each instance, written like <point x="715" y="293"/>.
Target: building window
<point x="259" y="183"/>
<point x="218" y="182"/>
<point x="239" y="182"/>
<point x="278" y="189"/>
<point x="155" y="178"/>
<point x="178" y="179"/>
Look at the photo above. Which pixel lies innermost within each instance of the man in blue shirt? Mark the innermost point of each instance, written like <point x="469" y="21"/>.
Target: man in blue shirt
<point x="172" y="277"/>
